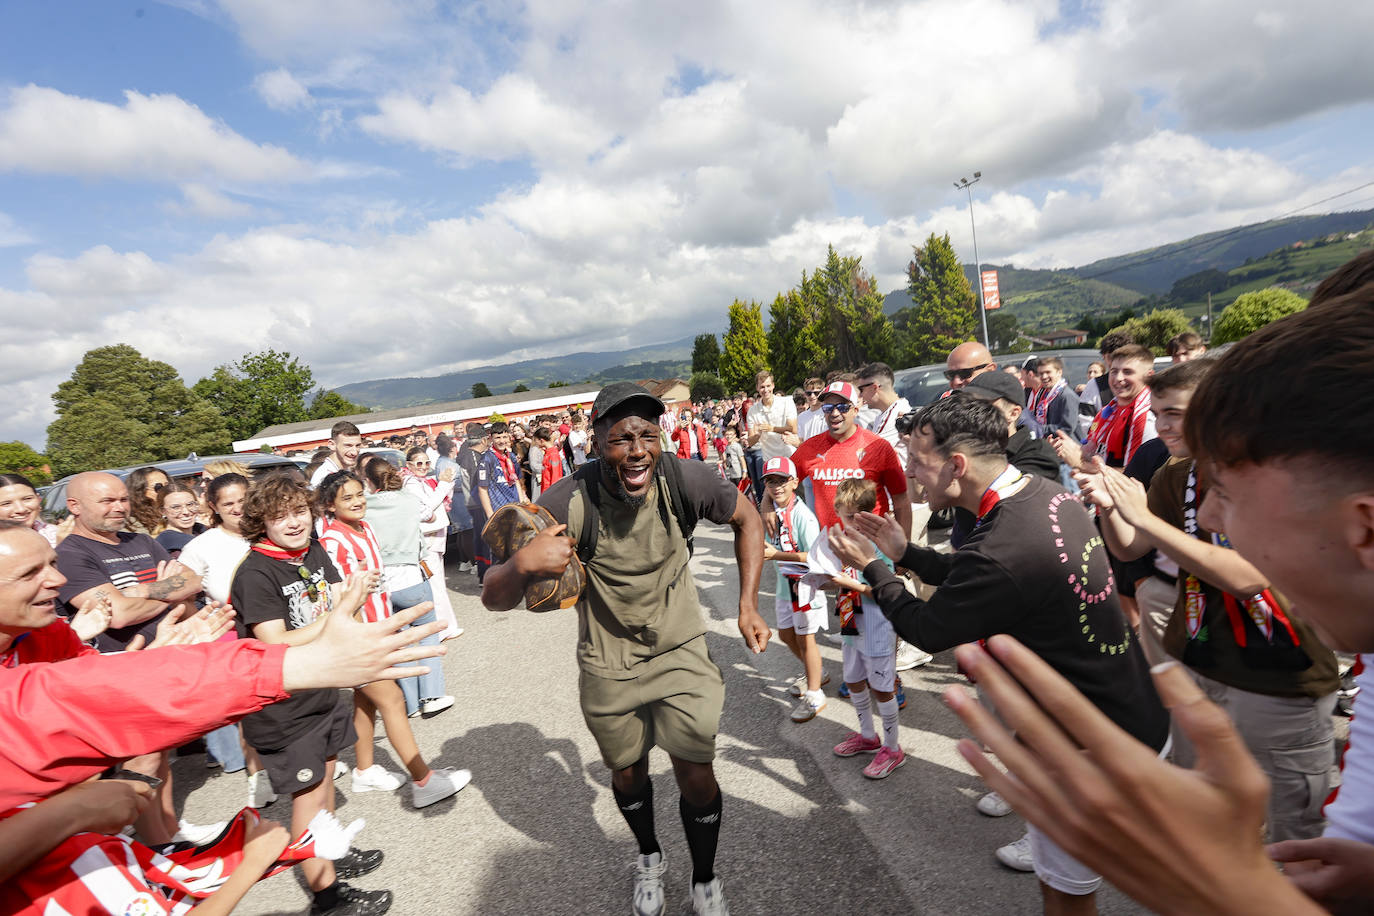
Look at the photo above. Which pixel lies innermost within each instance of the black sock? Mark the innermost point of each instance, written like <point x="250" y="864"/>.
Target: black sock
<point x="638" y="811"/>
<point x="703" y="830"/>
<point x="328" y="897"/>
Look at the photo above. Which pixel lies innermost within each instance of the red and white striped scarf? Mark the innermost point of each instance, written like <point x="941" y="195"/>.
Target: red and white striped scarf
<point x="1117" y="431"/>
<point x="1043" y="397"/>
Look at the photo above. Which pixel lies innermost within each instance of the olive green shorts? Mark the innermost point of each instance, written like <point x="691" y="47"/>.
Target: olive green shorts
<point x="674" y="703"/>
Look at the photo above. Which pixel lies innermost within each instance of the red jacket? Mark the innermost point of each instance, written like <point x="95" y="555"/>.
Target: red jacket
<point x="684" y="445"/>
<point x="69" y="720"/>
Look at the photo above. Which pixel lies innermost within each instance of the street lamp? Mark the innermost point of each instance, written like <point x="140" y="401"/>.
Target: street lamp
<point x="966" y="185"/>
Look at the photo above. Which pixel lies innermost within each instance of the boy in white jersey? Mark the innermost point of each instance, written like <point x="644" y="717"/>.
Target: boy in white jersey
<point x="800" y="609"/>
<point x="867" y="641"/>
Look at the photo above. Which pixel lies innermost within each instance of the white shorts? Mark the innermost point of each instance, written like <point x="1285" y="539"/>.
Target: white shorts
<point x="879" y="670"/>
<point x="1058" y="869"/>
<point x="804" y="618"/>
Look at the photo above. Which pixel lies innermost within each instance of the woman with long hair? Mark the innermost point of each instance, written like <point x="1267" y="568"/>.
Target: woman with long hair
<point x="350" y="542"/>
<point x="20" y="502"/>
<point x="179" y="507"/>
<point x="144" y="485"/>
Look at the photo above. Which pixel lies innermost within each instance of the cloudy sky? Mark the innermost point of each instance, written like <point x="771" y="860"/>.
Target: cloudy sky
<point x="403" y="187"/>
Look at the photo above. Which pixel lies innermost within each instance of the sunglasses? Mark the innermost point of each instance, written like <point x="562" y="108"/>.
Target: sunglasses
<point x="964" y="374"/>
<point x="842" y="407"/>
<point x="813" y="394"/>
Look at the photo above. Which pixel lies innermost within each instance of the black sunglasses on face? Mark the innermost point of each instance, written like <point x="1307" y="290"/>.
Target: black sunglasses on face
<point x="964" y="374"/>
<point x="842" y="407"/>
<point x="813" y="394"/>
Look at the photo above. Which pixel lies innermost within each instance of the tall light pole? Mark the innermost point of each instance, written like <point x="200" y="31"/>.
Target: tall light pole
<point x="967" y="185"/>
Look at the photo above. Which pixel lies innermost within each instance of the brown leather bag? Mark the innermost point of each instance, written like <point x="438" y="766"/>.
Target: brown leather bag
<point x="513" y="526"/>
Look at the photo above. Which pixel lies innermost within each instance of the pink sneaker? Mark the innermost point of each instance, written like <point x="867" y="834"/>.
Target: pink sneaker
<point x="886" y="761"/>
<point x="855" y="743"/>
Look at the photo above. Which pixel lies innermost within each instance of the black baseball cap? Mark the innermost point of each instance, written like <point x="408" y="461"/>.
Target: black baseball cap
<point x="619" y="394"/>
<point x="993" y="385"/>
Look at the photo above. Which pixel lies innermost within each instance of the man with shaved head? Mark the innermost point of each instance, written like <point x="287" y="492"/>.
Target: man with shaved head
<point x="140" y="582"/>
<point x="967" y="361"/>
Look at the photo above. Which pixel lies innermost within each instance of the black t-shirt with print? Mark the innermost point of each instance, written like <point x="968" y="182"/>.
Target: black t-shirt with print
<point x="88" y="563"/>
<point x="266" y="589"/>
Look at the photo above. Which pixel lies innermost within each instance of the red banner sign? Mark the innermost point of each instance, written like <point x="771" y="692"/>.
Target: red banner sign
<point x="991" y="298"/>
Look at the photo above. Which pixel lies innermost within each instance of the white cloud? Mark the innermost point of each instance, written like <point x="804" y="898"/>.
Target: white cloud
<point x="11" y="234"/>
<point x="281" y="91"/>
<point x="514" y="119"/>
<point x="200" y="200"/>
<point x="154" y="137"/>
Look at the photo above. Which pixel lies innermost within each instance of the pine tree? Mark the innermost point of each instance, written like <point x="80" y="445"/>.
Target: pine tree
<point x="705" y="354"/>
<point x="945" y="312"/>
<point x="746" y="347"/>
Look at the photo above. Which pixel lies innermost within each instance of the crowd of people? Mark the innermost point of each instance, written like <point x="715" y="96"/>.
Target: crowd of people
<point x="1148" y="604"/>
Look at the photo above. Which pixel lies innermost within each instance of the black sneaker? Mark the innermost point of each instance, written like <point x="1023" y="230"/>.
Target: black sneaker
<point x="355" y="902"/>
<point x="358" y="862"/>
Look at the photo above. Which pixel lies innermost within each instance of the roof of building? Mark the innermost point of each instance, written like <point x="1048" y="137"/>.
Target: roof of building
<point x="658" y="388"/>
<point x="1066" y="332"/>
<point x="420" y="411"/>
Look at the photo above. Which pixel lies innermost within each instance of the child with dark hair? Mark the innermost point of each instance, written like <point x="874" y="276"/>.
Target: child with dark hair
<point x="287" y="587"/>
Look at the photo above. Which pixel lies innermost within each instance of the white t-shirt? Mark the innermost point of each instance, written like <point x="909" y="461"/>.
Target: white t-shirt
<point x="327" y="467"/>
<point x="885" y="425"/>
<point x="771" y="444"/>
<point x="810" y="423"/>
<point x="214" y="555"/>
<point x="577" y="441"/>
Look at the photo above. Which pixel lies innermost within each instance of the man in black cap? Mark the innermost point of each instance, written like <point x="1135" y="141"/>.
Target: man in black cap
<point x="646" y="677"/>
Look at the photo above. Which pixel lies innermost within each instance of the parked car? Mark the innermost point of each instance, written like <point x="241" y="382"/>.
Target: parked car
<point x="921" y="385"/>
<point x="188" y="468"/>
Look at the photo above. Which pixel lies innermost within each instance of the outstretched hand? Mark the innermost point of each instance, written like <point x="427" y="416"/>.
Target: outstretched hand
<point x="1067" y="448"/>
<point x="349" y="652"/>
<point x="93" y="619"/>
<point x="1176" y="840"/>
<point x="884" y="532"/>
<point x="851" y="549"/>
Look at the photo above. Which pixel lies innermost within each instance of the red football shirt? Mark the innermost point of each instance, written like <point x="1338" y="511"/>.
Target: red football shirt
<point x="865" y="455"/>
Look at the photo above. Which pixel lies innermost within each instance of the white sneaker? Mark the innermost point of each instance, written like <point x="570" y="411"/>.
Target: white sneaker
<point x="376" y="779"/>
<point x="993" y="805"/>
<point x="799" y="685"/>
<point x="197" y="834"/>
<point x="648" y="899"/>
<point x="260" y="793"/>
<point x="808" y="708"/>
<point x="908" y="656"/>
<point x="340" y="769"/>
<point x="435" y="705"/>
<point x="1017" y="855"/>
<point x="442" y="783"/>
<point x="709" y="900"/>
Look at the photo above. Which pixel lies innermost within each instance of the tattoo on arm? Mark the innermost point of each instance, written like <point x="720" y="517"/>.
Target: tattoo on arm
<point x="163" y="588"/>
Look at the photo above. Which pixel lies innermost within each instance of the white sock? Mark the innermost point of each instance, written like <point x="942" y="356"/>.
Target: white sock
<point x="888" y="710"/>
<point x="863" y="707"/>
<point x="815" y="697"/>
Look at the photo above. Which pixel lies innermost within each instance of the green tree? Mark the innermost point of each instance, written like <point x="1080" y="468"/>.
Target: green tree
<point x="119" y="408"/>
<point x="18" y="458"/>
<point x="1155" y="329"/>
<point x="945" y="312"/>
<point x="1195" y="287"/>
<point x="260" y="390"/>
<point x="519" y="388"/>
<point x="845" y="300"/>
<point x="796" y="345"/>
<point x="746" y="346"/>
<point x="480" y="390"/>
<point x="1003" y="329"/>
<point x="557" y="384"/>
<point x="330" y="404"/>
<point x="705" y="354"/>
<point x="704" y="385"/>
<point x="1252" y="311"/>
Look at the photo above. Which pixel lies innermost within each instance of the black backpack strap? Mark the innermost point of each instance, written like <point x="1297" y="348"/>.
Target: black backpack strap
<point x="683" y="507"/>
<point x="589" y="486"/>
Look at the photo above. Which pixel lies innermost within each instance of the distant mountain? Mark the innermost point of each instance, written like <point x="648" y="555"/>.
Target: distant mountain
<point x="1042" y="300"/>
<point x="611" y="365"/>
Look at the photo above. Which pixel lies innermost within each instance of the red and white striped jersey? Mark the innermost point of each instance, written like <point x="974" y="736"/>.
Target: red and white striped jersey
<point x="357" y="552"/>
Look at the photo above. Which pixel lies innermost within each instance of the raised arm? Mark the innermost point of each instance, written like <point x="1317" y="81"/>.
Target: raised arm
<point x="749" y="557"/>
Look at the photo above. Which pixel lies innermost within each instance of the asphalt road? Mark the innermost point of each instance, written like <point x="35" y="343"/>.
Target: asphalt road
<point x="537" y="831"/>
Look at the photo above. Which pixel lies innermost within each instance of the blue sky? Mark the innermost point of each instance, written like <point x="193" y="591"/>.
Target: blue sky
<point x="402" y="187"/>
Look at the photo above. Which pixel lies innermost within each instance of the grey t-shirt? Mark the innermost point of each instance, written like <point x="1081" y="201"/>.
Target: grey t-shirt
<point x="640" y="599"/>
